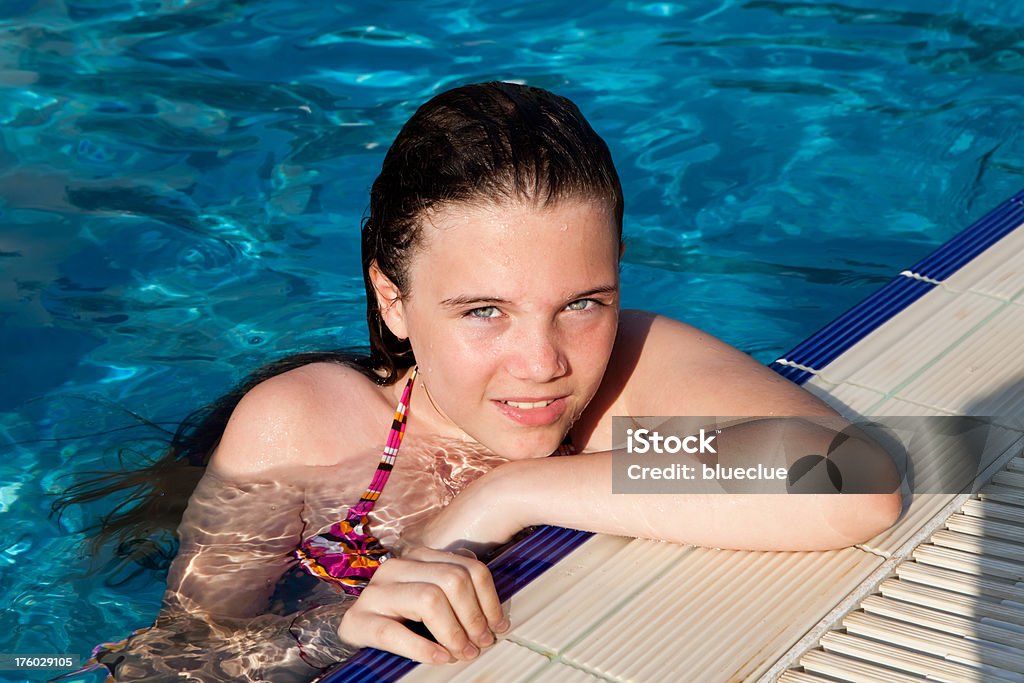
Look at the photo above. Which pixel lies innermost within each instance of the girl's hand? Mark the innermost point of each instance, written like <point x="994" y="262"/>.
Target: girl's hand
<point x="452" y="594"/>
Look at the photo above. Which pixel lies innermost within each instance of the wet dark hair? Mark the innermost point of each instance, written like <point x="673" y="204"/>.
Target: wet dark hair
<point x="490" y="142"/>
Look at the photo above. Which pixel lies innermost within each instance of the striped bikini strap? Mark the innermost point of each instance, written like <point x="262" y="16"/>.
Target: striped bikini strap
<point x="566" y="447"/>
<point x="387" y="458"/>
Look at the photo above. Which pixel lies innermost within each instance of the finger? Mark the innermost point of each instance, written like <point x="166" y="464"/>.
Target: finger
<point x="389" y="635"/>
<point x="486" y="593"/>
<point x="476" y="603"/>
<point x="425" y="602"/>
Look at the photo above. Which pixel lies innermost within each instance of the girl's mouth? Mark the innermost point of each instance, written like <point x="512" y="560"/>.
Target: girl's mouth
<point x="533" y="413"/>
<point x="527" y="405"/>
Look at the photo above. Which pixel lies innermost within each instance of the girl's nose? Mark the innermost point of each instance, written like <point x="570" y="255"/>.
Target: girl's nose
<point x="537" y="356"/>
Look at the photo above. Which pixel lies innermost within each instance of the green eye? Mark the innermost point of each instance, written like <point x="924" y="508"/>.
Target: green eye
<point x="580" y="305"/>
<point x="484" y="312"/>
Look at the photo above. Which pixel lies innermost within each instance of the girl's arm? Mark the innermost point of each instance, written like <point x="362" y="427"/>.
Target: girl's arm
<point x="261" y="648"/>
<point x="666" y="368"/>
<point x="236" y="540"/>
<point x="576" y="492"/>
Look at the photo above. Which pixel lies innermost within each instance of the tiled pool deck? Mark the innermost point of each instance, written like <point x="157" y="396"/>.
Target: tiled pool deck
<point x="941" y="594"/>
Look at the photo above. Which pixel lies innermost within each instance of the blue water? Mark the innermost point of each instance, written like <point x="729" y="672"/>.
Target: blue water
<point x="181" y="185"/>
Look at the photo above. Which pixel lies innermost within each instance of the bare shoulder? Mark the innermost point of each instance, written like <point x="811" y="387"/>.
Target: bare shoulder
<point x="678" y="366"/>
<point x="312" y="415"/>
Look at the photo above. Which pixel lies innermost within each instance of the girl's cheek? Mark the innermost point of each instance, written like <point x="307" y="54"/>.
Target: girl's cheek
<point x="599" y="330"/>
<point x="470" y="347"/>
<point x="479" y="334"/>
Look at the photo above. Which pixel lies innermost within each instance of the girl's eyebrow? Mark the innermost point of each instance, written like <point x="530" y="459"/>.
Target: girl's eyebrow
<point x="463" y="301"/>
<point x="603" y="289"/>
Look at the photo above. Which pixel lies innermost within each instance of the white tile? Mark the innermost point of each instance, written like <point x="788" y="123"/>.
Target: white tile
<point x="560" y="609"/>
<point x="901" y="659"/>
<point x="910" y="341"/>
<point x="984" y="440"/>
<point x="897" y="407"/>
<point x="719" y="615"/>
<point x="920" y="639"/>
<point x="941" y="620"/>
<point x="983" y="539"/>
<point x="847" y="668"/>
<point x="983" y="375"/>
<point x="571" y="570"/>
<point x="560" y="672"/>
<point x="848" y="399"/>
<point x="958" y="582"/>
<point x="943" y="466"/>
<point x="997" y="272"/>
<point x="794" y="676"/>
<point x="504" y="661"/>
<point x="953" y="612"/>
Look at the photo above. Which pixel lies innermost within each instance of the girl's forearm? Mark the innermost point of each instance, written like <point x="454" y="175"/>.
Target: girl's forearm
<point x="316" y="634"/>
<point x="576" y="492"/>
<point x="267" y="647"/>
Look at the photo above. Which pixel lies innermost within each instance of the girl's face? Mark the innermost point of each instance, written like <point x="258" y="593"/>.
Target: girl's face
<point x="511" y="311"/>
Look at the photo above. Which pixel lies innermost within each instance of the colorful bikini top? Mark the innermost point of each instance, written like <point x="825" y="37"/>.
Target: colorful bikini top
<point x="347" y="554"/>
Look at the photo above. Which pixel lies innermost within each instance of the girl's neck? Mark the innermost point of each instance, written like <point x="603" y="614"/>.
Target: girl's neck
<point x="426" y="421"/>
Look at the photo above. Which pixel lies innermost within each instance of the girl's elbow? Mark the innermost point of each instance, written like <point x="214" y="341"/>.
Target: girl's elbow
<point x="871" y="500"/>
<point x="882" y="511"/>
<point x="858" y="518"/>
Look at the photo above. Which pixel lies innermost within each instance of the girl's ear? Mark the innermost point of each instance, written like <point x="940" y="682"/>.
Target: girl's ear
<point x="622" y="249"/>
<point x="389" y="302"/>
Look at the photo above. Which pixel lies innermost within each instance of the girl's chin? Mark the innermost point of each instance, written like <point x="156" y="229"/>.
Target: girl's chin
<point x="527" y="449"/>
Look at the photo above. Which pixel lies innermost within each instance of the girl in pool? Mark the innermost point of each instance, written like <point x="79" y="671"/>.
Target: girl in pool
<point x="491" y="263"/>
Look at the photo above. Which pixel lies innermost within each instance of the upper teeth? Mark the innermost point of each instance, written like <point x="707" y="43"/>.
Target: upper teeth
<point x="537" y="404"/>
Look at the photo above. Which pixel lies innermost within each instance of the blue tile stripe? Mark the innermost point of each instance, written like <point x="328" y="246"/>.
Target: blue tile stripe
<point x="512" y="570"/>
<point x="959" y="251"/>
<point x="795" y="375"/>
<point x="830" y="342"/>
<point x="518" y="565"/>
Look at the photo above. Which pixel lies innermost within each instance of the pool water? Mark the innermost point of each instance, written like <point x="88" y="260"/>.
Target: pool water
<point x="181" y="185"/>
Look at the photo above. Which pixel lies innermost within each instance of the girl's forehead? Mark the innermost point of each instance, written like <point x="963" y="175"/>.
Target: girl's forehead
<point x="484" y="220"/>
<point x="519" y="246"/>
